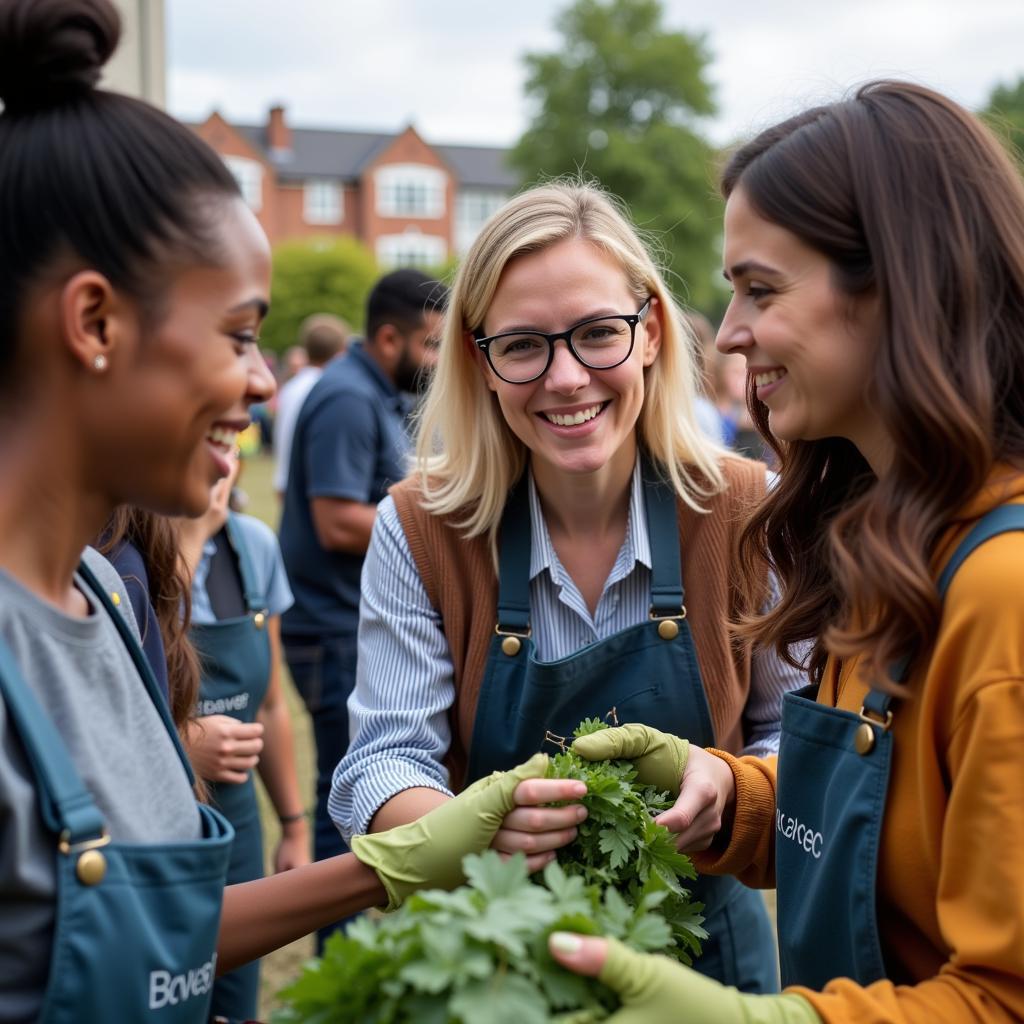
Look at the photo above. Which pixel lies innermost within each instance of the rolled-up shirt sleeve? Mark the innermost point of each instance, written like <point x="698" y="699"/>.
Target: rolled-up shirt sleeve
<point x="398" y="710"/>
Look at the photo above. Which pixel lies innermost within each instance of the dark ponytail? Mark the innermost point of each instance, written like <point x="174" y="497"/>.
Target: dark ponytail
<point x="94" y="177"/>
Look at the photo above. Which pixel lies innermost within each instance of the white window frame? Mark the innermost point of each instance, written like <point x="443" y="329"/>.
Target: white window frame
<point x="249" y="175"/>
<point x="411" y="248"/>
<point x="410" y="190"/>
<point x="473" y="208"/>
<point x="323" y="201"/>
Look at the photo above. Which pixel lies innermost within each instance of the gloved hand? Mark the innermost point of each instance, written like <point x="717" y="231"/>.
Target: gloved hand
<point x="659" y="757"/>
<point x="656" y="990"/>
<point x="427" y="853"/>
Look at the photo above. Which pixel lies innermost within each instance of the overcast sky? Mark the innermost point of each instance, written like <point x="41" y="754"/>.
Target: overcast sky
<point x="453" y="67"/>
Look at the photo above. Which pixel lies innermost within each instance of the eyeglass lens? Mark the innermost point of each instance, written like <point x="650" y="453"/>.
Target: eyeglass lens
<point x="599" y="344"/>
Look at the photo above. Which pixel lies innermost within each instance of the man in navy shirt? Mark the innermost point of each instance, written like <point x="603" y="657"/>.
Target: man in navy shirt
<point x="350" y="445"/>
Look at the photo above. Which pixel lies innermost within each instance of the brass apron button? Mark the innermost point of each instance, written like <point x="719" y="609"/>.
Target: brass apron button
<point x="259" y="620"/>
<point x="864" y="739"/>
<point x="91" y="867"/>
<point x="668" y="629"/>
<point x="511" y="646"/>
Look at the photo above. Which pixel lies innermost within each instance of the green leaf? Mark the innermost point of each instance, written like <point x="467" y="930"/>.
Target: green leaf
<point x="506" y="999"/>
<point x="494" y="877"/>
<point x="618" y="844"/>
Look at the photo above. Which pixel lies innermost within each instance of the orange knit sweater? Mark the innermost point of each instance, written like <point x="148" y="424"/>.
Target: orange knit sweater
<point x="459" y="578"/>
<point x="950" y="886"/>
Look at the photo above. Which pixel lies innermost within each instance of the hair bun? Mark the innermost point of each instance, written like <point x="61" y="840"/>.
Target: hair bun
<point x="52" y="51"/>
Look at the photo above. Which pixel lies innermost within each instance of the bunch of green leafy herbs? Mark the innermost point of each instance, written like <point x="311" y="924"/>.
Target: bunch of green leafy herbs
<point x="620" y="848"/>
<point x="480" y="953"/>
<point x="476" y="954"/>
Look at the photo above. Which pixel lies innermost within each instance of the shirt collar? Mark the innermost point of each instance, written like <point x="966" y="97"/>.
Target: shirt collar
<point x="635" y="548"/>
<point x="357" y="352"/>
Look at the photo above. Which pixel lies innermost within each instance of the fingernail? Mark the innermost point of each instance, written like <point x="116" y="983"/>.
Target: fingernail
<point x="565" y="942"/>
<point x="581" y="812"/>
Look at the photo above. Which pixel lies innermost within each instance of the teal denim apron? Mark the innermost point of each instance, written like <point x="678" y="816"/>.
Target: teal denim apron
<point x="136" y="924"/>
<point x="833" y="778"/>
<point x="648" y="673"/>
<point x="234" y="655"/>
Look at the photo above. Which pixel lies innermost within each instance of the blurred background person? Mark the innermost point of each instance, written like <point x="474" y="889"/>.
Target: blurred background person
<point x="295" y="358"/>
<point x="704" y="409"/>
<point x="322" y="337"/>
<point x="239" y="590"/>
<point x="349" y="446"/>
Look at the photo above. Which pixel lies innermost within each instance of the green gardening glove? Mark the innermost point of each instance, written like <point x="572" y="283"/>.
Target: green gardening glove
<point x="659" y="757"/>
<point x="656" y="990"/>
<point x="427" y="853"/>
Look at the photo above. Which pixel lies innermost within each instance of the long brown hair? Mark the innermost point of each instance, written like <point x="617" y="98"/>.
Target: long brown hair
<point x="915" y="202"/>
<point x="170" y="593"/>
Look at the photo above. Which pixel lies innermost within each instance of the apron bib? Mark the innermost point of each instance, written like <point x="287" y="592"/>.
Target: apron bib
<point x="234" y="655"/>
<point x="647" y="673"/>
<point x="136" y="924"/>
<point x="833" y="778"/>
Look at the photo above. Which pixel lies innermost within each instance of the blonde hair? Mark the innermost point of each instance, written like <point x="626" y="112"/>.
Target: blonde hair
<point x="466" y="456"/>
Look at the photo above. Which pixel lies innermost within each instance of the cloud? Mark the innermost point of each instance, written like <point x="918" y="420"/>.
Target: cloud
<point x="454" y="68"/>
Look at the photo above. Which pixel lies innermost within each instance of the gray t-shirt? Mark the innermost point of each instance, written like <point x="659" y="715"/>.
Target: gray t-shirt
<point x="83" y="676"/>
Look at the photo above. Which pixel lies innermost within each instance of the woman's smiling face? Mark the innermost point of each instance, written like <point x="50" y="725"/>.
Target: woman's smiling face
<point x="573" y="419"/>
<point x="809" y="347"/>
<point x="178" y="392"/>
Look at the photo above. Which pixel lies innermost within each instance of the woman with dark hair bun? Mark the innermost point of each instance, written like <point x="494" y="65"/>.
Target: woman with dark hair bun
<point x="133" y="281"/>
<point x="876" y="252"/>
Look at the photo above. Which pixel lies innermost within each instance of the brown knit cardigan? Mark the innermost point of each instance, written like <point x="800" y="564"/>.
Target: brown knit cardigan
<point x="458" y="575"/>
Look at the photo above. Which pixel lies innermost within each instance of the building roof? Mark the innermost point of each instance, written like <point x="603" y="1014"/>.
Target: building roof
<point x="328" y="153"/>
<point x="483" y="166"/>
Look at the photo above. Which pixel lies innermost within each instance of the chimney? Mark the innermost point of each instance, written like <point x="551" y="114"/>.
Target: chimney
<point x="279" y="135"/>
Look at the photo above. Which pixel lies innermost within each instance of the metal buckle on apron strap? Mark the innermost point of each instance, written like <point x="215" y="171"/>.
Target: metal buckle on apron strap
<point x="91" y="865"/>
<point x="864" y="737"/>
<point x="513" y="642"/>
<point x="668" y="625"/>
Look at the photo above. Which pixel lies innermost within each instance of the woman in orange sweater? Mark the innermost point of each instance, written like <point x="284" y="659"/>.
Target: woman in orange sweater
<point x="876" y="251"/>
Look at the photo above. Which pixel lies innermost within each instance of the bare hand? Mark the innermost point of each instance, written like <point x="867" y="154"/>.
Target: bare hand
<point x="536" y="830"/>
<point x="223" y="749"/>
<point x="706" y="799"/>
<point x="293" y="850"/>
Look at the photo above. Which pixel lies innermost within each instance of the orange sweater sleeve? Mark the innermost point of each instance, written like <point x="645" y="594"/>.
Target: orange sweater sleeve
<point x="750" y="852"/>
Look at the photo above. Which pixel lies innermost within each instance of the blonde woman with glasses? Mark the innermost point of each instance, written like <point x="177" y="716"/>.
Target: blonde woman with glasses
<point x="562" y="549"/>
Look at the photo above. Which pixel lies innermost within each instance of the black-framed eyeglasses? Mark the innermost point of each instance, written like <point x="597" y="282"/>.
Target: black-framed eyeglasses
<point x="519" y="357"/>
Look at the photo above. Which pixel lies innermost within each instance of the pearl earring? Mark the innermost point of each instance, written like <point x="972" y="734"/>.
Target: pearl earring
<point x="99" y="362"/>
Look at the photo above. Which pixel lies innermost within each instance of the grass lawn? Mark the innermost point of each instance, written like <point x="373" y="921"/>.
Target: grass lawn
<point x="282" y="966"/>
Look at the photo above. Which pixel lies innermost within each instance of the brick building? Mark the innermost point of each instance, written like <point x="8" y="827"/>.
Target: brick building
<point x="409" y="202"/>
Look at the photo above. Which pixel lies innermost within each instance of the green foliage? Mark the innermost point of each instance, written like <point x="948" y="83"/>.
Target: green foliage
<point x="620" y="849"/>
<point x="476" y="954"/>
<point x="1005" y="114"/>
<point x="480" y="953"/>
<point x="317" y="276"/>
<point x="621" y="101"/>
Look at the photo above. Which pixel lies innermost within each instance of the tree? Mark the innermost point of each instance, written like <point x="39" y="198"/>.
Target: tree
<point x="621" y="102"/>
<point x="317" y="276"/>
<point x="1005" y="114"/>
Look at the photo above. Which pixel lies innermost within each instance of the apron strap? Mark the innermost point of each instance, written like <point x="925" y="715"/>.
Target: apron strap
<point x="255" y="599"/>
<point x="667" y="594"/>
<point x="1005" y="519"/>
<point x="514" y="561"/>
<point x="66" y="805"/>
<point x="141" y="665"/>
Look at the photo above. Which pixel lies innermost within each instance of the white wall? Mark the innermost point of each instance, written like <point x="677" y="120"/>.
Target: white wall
<point x="138" y="66"/>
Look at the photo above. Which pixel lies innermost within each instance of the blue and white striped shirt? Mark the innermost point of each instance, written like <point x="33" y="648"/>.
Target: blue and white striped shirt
<point x="398" y="711"/>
